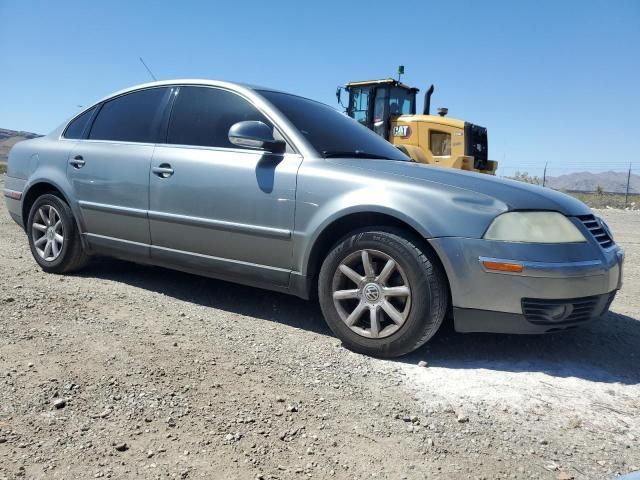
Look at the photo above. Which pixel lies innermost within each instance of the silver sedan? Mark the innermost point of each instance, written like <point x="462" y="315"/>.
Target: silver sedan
<point x="265" y="188"/>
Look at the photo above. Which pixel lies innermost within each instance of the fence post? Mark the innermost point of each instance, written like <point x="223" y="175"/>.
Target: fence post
<point x="626" y="195"/>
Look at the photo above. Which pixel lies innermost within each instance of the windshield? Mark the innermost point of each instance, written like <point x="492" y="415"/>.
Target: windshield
<point x="330" y="132"/>
<point x="400" y="101"/>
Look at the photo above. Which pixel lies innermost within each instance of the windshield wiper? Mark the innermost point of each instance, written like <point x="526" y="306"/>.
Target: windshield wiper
<point x="352" y="153"/>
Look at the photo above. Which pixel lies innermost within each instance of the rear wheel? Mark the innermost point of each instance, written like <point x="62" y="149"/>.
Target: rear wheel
<point x="53" y="235"/>
<point x="382" y="295"/>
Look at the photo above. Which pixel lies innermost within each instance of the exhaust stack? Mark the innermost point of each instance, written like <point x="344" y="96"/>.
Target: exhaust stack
<point x="427" y="100"/>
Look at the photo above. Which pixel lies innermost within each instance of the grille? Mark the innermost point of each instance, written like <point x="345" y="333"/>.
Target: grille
<point x="563" y="311"/>
<point x="599" y="233"/>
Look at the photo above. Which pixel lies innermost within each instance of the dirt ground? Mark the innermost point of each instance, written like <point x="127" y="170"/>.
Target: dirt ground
<point x="160" y="374"/>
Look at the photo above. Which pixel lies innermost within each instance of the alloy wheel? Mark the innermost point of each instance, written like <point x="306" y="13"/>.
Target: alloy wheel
<point x="371" y="293"/>
<point x="47" y="233"/>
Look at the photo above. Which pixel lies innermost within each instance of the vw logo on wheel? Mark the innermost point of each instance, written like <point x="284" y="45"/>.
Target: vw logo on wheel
<point x="372" y="292"/>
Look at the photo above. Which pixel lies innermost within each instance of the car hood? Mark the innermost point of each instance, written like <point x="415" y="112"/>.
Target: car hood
<point x="516" y="195"/>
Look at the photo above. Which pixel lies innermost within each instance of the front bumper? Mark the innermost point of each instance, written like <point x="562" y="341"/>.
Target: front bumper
<point x="540" y="315"/>
<point x="557" y="282"/>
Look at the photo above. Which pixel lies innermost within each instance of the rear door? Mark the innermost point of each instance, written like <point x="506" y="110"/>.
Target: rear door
<point x="214" y="206"/>
<point x="109" y="170"/>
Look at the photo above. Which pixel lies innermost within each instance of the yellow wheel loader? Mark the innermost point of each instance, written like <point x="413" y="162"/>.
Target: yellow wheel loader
<point x="388" y="107"/>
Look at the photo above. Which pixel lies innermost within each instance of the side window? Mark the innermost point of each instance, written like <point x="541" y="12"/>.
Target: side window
<point x="202" y="116"/>
<point x="129" y="118"/>
<point x="380" y="112"/>
<point x="440" y="143"/>
<point x="76" y="128"/>
<point x="360" y="105"/>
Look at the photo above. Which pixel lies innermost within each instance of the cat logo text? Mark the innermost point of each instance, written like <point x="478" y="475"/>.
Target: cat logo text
<point x="403" y="131"/>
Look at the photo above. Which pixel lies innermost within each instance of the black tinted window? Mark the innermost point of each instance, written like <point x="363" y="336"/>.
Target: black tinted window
<point x="330" y="132"/>
<point x="129" y="118"/>
<point x="203" y="116"/>
<point x="76" y="128"/>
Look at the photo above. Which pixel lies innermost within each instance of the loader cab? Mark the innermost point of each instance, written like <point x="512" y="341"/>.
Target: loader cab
<point x="374" y="103"/>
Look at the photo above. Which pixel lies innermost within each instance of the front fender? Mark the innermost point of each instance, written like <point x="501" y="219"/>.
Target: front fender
<point x="432" y="211"/>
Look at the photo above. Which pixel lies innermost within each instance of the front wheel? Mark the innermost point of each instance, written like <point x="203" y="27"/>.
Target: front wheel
<point x="53" y="235"/>
<point x="381" y="294"/>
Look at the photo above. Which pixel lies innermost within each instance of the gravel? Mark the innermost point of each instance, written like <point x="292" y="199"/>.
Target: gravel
<point x="168" y="375"/>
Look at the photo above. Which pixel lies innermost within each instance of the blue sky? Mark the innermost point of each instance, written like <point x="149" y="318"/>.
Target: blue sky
<point x="554" y="81"/>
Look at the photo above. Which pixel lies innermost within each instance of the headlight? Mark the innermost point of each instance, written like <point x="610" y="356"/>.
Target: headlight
<point x="533" y="227"/>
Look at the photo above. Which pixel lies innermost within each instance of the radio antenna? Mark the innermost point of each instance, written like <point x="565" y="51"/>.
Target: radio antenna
<point x="148" y="69"/>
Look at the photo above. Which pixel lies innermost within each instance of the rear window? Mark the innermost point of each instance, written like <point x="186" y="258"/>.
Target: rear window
<point x="130" y="118"/>
<point x="77" y="127"/>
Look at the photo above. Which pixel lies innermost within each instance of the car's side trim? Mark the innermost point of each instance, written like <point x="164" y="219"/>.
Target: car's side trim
<point x="548" y="269"/>
<point x="188" y="220"/>
<point x="118" y="247"/>
<point x="103" y="207"/>
<point x="221" y="225"/>
<point x="247" y="273"/>
<point x="223" y="268"/>
<point x="158" y="248"/>
<point x="13" y="194"/>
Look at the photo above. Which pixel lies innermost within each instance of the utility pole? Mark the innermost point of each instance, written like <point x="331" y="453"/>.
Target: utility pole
<point x="544" y="174"/>
<point x="626" y="194"/>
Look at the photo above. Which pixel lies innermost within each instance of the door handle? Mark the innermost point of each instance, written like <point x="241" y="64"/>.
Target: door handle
<point x="163" y="170"/>
<point x="77" y="162"/>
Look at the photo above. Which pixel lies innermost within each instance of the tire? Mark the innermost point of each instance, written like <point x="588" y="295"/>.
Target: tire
<point x="383" y="333"/>
<point x="69" y="256"/>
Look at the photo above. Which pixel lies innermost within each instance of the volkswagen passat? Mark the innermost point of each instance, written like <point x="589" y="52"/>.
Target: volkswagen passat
<point x="265" y="188"/>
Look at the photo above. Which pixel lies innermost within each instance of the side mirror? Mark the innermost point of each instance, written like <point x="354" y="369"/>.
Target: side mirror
<point x="339" y="97"/>
<point x="257" y="135"/>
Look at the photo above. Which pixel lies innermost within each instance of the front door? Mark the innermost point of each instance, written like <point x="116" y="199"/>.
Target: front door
<point x="217" y="208"/>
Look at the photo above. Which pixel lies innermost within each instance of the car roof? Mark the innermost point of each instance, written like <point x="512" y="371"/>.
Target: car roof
<point x="190" y="81"/>
<point x="238" y="86"/>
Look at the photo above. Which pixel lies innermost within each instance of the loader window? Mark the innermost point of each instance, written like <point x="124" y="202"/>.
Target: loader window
<point x="440" y="144"/>
<point x="379" y="104"/>
<point x="400" y="101"/>
<point x="380" y="114"/>
<point x="360" y="105"/>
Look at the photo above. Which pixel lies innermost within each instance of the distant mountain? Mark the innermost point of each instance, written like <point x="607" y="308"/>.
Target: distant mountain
<point x="8" y="138"/>
<point x="589" y="182"/>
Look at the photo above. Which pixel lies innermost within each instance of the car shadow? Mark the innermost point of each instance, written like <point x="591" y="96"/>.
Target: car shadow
<point x="606" y="351"/>
<point x="229" y="297"/>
